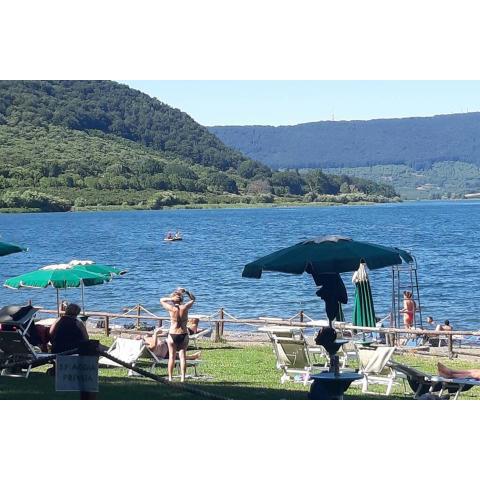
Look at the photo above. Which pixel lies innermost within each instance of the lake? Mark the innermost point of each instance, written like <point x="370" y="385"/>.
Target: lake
<point x="217" y="244"/>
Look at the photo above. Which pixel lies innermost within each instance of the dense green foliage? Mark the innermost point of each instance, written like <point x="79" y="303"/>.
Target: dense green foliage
<point x="442" y="180"/>
<point x="115" y="109"/>
<point x="58" y="151"/>
<point x="416" y="142"/>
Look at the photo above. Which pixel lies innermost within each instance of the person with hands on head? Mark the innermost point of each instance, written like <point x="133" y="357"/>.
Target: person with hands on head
<point x="177" y="339"/>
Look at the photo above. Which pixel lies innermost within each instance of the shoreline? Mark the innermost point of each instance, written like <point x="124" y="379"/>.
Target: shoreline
<point x="236" y="206"/>
<point x="209" y="206"/>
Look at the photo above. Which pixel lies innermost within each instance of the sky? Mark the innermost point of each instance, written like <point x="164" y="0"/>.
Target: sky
<point x="285" y="102"/>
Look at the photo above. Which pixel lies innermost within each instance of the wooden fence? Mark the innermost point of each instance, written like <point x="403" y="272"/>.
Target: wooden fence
<point x="300" y="319"/>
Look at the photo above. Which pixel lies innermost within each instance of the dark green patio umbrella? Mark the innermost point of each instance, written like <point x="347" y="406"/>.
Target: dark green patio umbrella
<point x="363" y="309"/>
<point x="328" y="254"/>
<point x="325" y="258"/>
<point x="8" y="248"/>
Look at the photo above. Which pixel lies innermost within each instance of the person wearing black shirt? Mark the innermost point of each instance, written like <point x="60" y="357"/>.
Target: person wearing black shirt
<point x="68" y="332"/>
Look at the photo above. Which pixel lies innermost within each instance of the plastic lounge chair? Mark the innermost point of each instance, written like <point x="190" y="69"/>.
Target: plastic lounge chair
<point x="129" y="351"/>
<point x="375" y="368"/>
<point x="195" y="336"/>
<point x="293" y="359"/>
<point x="15" y="348"/>
<point x="277" y="331"/>
<point x="416" y="342"/>
<point x="346" y="353"/>
<point x="132" y="351"/>
<point x="422" y="383"/>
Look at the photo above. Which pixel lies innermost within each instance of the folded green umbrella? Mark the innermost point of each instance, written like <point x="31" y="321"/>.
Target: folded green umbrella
<point x="8" y="248"/>
<point x="363" y="309"/>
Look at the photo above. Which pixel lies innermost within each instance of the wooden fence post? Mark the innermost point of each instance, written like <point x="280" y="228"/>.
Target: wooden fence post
<point x="222" y="324"/>
<point x="138" y="317"/>
<point x="450" y="346"/>
<point x="107" y="326"/>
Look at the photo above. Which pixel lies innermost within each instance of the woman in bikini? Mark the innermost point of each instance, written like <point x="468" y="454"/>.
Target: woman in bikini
<point x="409" y="308"/>
<point x="177" y="339"/>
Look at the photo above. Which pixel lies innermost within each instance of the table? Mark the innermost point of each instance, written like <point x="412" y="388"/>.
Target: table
<point x="331" y="386"/>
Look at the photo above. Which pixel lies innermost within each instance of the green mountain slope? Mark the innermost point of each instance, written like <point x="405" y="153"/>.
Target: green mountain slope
<point x="116" y="109"/>
<point x="101" y="144"/>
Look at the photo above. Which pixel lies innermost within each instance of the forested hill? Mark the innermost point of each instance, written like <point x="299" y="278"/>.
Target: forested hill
<point x="114" y="109"/>
<point x="99" y="144"/>
<point x="415" y="142"/>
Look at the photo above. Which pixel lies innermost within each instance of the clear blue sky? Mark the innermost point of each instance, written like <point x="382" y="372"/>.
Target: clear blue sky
<point x="284" y="102"/>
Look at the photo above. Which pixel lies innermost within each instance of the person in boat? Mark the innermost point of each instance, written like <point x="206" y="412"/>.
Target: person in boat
<point x="446" y="372"/>
<point x="177" y="339"/>
<point x="409" y="308"/>
<point x="169" y="236"/>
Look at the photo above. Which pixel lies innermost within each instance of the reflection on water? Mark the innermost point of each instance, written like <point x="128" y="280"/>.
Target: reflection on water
<point x="218" y="243"/>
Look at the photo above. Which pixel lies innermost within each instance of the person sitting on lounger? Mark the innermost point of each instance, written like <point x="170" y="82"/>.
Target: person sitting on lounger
<point x="446" y="372"/>
<point x="159" y="347"/>
<point x="68" y="332"/>
<point x="192" y="326"/>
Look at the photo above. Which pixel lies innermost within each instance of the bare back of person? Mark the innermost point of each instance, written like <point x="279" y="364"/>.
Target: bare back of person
<point x="179" y="319"/>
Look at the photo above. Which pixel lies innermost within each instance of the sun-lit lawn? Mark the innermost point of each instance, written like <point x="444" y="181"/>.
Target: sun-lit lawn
<point x="227" y="370"/>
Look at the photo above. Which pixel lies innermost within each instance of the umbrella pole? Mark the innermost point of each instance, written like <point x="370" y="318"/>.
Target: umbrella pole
<point x="83" y="299"/>
<point x="58" y="303"/>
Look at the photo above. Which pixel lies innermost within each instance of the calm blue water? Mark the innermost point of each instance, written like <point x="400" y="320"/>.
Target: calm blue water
<point x="217" y="243"/>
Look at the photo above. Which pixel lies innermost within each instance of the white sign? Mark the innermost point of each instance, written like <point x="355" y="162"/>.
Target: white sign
<point x="76" y="374"/>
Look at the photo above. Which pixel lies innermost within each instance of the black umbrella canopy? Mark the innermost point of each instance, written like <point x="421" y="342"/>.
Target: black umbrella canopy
<point x="327" y="254"/>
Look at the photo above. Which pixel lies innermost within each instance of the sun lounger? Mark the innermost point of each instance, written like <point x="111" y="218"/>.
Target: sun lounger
<point x="422" y="383"/>
<point x="294" y="360"/>
<point x="14" y="347"/>
<point x="374" y="365"/>
<point x="206" y="332"/>
<point x="133" y="351"/>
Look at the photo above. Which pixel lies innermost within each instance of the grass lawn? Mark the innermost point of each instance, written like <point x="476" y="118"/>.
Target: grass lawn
<point x="228" y="370"/>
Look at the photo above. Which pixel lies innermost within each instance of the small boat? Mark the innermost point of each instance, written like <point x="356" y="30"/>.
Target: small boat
<point x="171" y="237"/>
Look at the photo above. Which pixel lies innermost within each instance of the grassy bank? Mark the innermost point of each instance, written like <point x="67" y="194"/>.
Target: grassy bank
<point x="228" y="370"/>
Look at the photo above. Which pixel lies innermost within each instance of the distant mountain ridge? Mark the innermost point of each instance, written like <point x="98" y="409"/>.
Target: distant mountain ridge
<point x="417" y="142"/>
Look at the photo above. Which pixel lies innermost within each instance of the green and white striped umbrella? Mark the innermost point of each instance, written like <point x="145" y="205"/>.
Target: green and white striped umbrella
<point x="59" y="276"/>
<point x="363" y="309"/>
<point x="99" y="268"/>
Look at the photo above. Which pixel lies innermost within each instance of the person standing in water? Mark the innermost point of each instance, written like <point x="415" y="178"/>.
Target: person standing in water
<point x="177" y="339"/>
